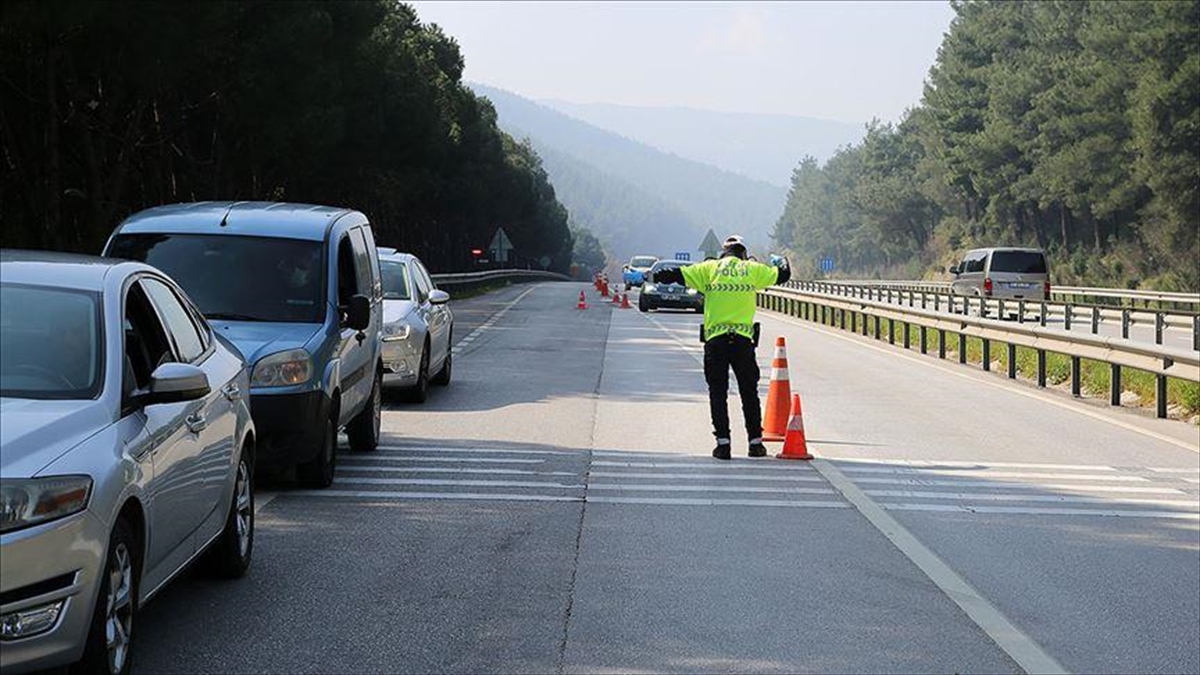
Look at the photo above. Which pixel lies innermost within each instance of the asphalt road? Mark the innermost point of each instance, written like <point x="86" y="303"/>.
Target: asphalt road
<point x="555" y="510"/>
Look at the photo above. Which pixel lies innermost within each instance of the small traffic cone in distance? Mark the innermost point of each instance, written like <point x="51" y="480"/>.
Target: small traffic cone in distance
<point x="775" y="417"/>
<point x="625" y="301"/>
<point x="616" y="298"/>
<point x="604" y="289"/>
<point x="795" y="446"/>
<point x="582" y="301"/>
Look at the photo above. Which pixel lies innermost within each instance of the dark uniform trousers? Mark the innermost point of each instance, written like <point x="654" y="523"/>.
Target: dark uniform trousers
<point x="720" y="354"/>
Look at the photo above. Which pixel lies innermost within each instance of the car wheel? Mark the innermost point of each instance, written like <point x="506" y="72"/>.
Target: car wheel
<point x="363" y="430"/>
<point x="319" y="472"/>
<point x="110" y="639"/>
<point x="420" y="391"/>
<point x="229" y="555"/>
<point x="442" y="379"/>
<point x="642" y="306"/>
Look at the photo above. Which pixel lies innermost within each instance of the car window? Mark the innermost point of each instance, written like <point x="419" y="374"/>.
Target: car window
<point x="1019" y="262"/>
<point x="425" y="275"/>
<point x="183" y="332"/>
<point x="51" y="343"/>
<point x="362" y="262"/>
<point x="975" y="260"/>
<point x="395" y="280"/>
<point x="424" y="284"/>
<point x="642" y="261"/>
<point x="347" y="272"/>
<point x="373" y="256"/>
<point x="146" y="344"/>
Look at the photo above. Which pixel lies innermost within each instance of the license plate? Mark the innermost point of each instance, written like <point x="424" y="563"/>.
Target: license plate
<point x="1020" y="285"/>
<point x="671" y="297"/>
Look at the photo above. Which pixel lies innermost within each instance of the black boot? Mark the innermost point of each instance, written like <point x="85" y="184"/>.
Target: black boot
<point x="757" y="449"/>
<point x="722" y="451"/>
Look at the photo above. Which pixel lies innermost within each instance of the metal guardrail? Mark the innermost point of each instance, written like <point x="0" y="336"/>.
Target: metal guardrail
<point x="1162" y="362"/>
<point x="1088" y="295"/>
<point x="937" y="295"/>
<point x="468" y="280"/>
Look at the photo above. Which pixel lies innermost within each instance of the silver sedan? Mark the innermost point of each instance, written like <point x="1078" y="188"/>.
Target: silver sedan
<point x="126" y="451"/>
<point x="418" y="327"/>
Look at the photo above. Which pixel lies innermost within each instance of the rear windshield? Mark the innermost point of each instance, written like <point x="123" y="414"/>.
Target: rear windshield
<point x="395" y="280"/>
<point x="51" y="344"/>
<point x="1019" y="262"/>
<point x="642" y="261"/>
<point x="237" y="278"/>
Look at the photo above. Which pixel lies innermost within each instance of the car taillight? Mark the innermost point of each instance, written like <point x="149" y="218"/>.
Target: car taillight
<point x="1046" y="290"/>
<point x="987" y="286"/>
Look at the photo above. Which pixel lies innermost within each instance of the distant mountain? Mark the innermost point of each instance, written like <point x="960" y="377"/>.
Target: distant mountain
<point x="766" y="147"/>
<point x="657" y="202"/>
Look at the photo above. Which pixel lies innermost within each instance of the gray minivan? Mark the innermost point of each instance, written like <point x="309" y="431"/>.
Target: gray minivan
<point x="296" y="288"/>
<point x="1009" y="272"/>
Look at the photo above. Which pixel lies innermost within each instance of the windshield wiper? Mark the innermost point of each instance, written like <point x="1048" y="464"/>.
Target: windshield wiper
<point x="231" y="316"/>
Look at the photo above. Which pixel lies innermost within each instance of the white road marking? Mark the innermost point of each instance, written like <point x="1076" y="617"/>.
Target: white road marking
<point x="404" y="448"/>
<point x="261" y="499"/>
<point x="987" y="497"/>
<point x="1162" y="470"/>
<point x="1020" y="647"/>
<point x="1196" y="481"/>
<point x="998" y="485"/>
<point x="977" y="376"/>
<point x="950" y="463"/>
<point x="464" y="483"/>
<point x="670" y="501"/>
<point x="450" y="469"/>
<point x="491" y="321"/>
<point x="715" y="476"/>
<point x="473" y="496"/>
<point x="644" y="487"/>
<point x="761" y="465"/>
<point x="1034" y="511"/>
<point x="455" y="460"/>
<point x="999" y="474"/>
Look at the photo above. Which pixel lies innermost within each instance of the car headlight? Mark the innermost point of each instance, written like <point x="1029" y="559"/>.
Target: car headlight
<point x="649" y="287"/>
<point x="30" y="501"/>
<point x="691" y="291"/>
<point x="394" y="332"/>
<point x="282" y="369"/>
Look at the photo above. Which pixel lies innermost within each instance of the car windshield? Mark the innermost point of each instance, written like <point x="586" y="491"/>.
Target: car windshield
<point x="643" y="261"/>
<point x="395" y="280"/>
<point x="665" y="266"/>
<point x="1019" y="262"/>
<point x="286" y="275"/>
<point x="51" y="344"/>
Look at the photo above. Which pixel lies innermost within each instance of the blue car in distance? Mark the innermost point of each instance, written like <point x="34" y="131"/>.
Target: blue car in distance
<point x="296" y="288"/>
<point x="634" y="273"/>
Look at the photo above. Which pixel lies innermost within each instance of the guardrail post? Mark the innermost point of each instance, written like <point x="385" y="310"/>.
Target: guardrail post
<point x="1196" y="332"/>
<point x="987" y="354"/>
<point x="1095" y="320"/>
<point x="907" y="335"/>
<point x="937" y="302"/>
<point x="941" y="344"/>
<point x="1076" y="376"/>
<point x="1158" y="328"/>
<point x="877" y="320"/>
<point x="1125" y="323"/>
<point x="843" y="319"/>
<point x="1000" y="313"/>
<point x="1068" y="313"/>
<point x="1114" y="384"/>
<point x="1041" y="367"/>
<point x="1012" y="360"/>
<point x="924" y="340"/>
<point x="1042" y="317"/>
<point x="891" y="332"/>
<point x="923" y="299"/>
<point x="889" y="296"/>
<point x="853" y="322"/>
<point x="1021" y="311"/>
<point x="962" y="347"/>
<point x="1160" y="396"/>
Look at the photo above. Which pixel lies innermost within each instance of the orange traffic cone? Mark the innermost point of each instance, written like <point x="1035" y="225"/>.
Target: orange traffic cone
<point x="775" y="419"/>
<point x="582" y="301"/>
<point x="604" y="289"/>
<point x="625" y="301"/>
<point x="616" y="298"/>
<point x="794" y="446"/>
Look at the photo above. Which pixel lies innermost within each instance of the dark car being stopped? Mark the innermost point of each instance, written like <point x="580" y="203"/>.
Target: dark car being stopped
<point x="668" y="296"/>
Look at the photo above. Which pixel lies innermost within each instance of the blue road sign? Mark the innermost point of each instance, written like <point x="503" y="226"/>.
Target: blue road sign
<point x="683" y="256"/>
<point x="826" y="264"/>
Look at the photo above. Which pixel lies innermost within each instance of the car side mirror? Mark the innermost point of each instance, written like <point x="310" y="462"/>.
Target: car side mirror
<point x="625" y="268"/>
<point x="358" y="312"/>
<point x="175" y="382"/>
<point x="439" y="297"/>
<point x="953" y="269"/>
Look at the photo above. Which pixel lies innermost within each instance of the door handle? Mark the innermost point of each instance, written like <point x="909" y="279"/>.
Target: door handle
<point x="196" y="422"/>
<point x="232" y="391"/>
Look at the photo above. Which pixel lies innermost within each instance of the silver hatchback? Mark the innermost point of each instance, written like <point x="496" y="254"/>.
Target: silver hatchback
<point x="418" y="327"/>
<point x="126" y="451"/>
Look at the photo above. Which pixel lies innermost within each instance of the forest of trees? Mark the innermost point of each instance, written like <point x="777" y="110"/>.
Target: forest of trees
<point x="1074" y="126"/>
<point x="110" y="107"/>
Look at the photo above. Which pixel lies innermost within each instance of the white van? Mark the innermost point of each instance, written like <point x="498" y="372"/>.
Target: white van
<point x="1016" y="273"/>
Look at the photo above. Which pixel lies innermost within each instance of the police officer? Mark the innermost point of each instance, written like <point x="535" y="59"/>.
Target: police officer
<point x="730" y="285"/>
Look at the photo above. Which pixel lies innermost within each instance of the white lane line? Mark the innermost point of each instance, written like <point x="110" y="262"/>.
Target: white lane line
<point x="1033" y="511"/>
<point x="453" y="460"/>
<point x="1164" y="470"/>
<point x="762" y="465"/>
<point x="978" y="496"/>
<point x="671" y="501"/>
<point x="261" y="499"/>
<point x="966" y="465"/>
<point x="403" y="448"/>
<point x="999" y="474"/>
<point x="491" y="321"/>
<point x="644" y="487"/>
<point x="463" y="483"/>
<point x="999" y="485"/>
<point x="1195" y="481"/>
<point x="473" y="496"/>
<point x="715" y="476"/>
<point x="1020" y="647"/>
<point x="976" y="376"/>
<point x="448" y="469"/>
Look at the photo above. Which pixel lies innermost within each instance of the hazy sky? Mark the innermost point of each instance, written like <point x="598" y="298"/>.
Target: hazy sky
<point x="848" y="61"/>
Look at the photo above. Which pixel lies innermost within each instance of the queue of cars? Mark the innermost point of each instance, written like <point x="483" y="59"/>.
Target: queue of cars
<point x="141" y="392"/>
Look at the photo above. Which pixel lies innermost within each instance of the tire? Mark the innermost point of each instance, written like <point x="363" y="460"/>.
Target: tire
<point x="363" y="430"/>
<point x="319" y="472"/>
<point x="442" y="379"/>
<point x="642" y="306"/>
<point x="230" y="553"/>
<point x="116" y="606"/>
<point x="420" y="391"/>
